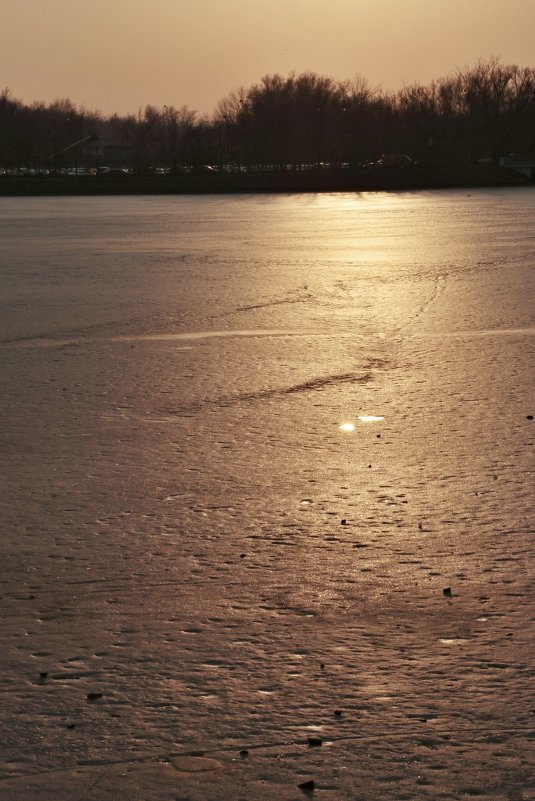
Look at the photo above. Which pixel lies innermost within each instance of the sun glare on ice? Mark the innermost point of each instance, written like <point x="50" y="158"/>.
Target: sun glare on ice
<point x="363" y="418"/>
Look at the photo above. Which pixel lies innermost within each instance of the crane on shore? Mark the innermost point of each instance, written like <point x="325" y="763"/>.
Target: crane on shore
<point x="71" y="146"/>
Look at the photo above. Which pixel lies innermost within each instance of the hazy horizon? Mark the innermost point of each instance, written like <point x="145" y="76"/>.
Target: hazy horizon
<point x="118" y="58"/>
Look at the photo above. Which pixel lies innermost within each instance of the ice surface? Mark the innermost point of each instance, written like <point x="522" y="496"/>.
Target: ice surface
<point x="201" y="569"/>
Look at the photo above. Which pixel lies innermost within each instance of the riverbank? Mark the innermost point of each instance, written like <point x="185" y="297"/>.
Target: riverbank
<point x="364" y="180"/>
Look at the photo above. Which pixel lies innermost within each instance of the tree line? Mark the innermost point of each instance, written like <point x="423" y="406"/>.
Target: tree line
<point x="305" y="119"/>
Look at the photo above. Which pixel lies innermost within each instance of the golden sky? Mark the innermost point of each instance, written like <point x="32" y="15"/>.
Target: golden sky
<point x="119" y="55"/>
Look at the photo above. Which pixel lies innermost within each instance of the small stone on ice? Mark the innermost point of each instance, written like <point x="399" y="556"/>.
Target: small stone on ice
<point x="343" y="522"/>
<point x="93" y="696"/>
<point x="447" y="591"/>
<point x="244" y="753"/>
<point x="338" y="713"/>
<point x="314" y="741"/>
<point x="530" y="417"/>
<point x="307" y="787"/>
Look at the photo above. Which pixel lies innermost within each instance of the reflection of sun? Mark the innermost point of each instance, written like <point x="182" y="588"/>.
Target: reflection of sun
<point x="347" y="427"/>
<point x="363" y="202"/>
<point x="362" y="418"/>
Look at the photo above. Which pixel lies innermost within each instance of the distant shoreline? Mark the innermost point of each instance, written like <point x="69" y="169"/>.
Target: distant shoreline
<point x="365" y="180"/>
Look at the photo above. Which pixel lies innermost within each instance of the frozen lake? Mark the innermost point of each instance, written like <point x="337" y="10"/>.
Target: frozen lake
<point x="247" y="444"/>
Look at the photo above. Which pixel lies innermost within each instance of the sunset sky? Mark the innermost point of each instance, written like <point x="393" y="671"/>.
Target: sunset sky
<point x="119" y="55"/>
